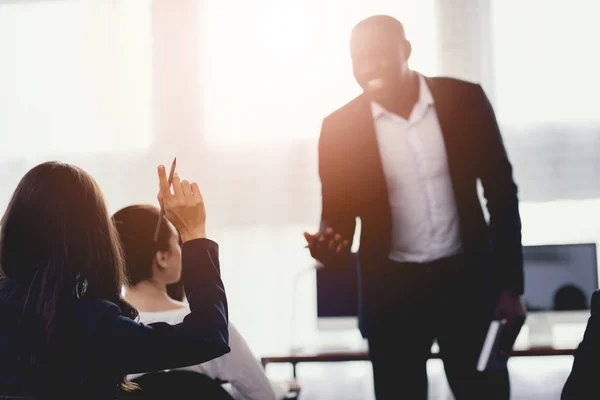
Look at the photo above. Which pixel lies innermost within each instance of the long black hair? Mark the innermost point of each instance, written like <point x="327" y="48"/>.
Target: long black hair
<point x="58" y="244"/>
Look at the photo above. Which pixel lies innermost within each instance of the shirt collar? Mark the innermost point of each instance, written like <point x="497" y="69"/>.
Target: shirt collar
<point x="425" y="96"/>
<point x="425" y="100"/>
<point x="377" y="110"/>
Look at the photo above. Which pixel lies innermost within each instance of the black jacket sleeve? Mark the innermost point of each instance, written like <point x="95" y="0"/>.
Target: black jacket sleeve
<point x="500" y="191"/>
<point x="126" y="346"/>
<point x="337" y="211"/>
<point x="583" y="382"/>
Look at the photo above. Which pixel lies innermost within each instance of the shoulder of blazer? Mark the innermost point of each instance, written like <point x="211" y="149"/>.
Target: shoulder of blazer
<point x="89" y="315"/>
<point x="444" y="83"/>
<point x="454" y="96"/>
<point x="348" y="121"/>
<point x="348" y="111"/>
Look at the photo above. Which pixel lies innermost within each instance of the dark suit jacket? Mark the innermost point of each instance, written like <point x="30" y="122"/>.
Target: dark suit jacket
<point x="583" y="382"/>
<point x="98" y="345"/>
<point x="353" y="185"/>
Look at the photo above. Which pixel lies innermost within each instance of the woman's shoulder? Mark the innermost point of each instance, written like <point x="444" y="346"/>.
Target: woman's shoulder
<point x="90" y="314"/>
<point x="95" y="306"/>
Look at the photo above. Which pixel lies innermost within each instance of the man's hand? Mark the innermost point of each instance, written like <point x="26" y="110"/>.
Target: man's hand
<point x="511" y="308"/>
<point x="328" y="248"/>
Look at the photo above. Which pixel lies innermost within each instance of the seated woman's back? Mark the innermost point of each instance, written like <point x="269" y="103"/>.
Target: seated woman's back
<point x="66" y="332"/>
<point x="154" y="271"/>
<point x="244" y="373"/>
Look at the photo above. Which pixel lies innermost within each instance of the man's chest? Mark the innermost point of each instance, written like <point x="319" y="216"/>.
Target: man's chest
<point x="411" y="150"/>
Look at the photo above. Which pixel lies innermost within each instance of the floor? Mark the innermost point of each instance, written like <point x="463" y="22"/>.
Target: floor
<point x="531" y="379"/>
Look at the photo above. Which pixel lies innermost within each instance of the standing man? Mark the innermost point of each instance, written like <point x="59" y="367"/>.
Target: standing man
<point x="405" y="156"/>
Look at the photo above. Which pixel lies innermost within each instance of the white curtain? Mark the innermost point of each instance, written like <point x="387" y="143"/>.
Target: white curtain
<point x="76" y="81"/>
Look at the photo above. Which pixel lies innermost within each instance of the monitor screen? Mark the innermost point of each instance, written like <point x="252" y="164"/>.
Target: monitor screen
<point x="337" y="291"/>
<point x="560" y="277"/>
<point x="557" y="278"/>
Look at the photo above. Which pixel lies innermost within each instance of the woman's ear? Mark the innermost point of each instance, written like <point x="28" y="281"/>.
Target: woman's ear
<point x="160" y="259"/>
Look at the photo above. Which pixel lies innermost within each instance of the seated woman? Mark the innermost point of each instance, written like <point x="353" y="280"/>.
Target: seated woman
<point x="65" y="331"/>
<point x="152" y="269"/>
<point x="583" y="381"/>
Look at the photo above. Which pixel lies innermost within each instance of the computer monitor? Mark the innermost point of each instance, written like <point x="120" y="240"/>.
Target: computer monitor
<point x="337" y="297"/>
<point x="559" y="283"/>
<point x="560" y="277"/>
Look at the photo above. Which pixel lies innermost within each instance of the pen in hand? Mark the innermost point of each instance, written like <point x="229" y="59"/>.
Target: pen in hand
<point x="162" y="209"/>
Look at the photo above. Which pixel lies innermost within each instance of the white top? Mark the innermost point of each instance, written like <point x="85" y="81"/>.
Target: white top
<point x="425" y="224"/>
<point x="246" y="376"/>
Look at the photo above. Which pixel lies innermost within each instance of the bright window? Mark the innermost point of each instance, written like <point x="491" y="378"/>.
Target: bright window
<point x="274" y="69"/>
<point x="75" y="77"/>
<point x="546" y="61"/>
<point x="546" y="65"/>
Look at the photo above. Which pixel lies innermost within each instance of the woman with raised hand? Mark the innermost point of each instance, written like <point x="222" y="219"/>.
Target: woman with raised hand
<point x="153" y="273"/>
<point x="65" y="331"/>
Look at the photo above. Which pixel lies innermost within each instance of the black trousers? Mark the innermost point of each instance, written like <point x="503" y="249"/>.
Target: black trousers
<point x="447" y="300"/>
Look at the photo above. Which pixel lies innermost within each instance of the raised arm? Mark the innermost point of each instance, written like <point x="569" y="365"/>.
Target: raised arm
<point x="129" y="347"/>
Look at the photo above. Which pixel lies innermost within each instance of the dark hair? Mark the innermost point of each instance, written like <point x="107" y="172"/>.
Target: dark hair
<point x="135" y="225"/>
<point x="384" y="22"/>
<point x="570" y="298"/>
<point x="58" y="244"/>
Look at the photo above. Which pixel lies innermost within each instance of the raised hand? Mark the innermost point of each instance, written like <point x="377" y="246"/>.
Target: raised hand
<point x="184" y="207"/>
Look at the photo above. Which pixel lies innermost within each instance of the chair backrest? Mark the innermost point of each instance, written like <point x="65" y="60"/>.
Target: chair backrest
<point x="15" y="392"/>
<point x="176" y="385"/>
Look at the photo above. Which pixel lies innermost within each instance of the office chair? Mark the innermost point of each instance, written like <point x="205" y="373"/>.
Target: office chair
<point x="176" y="385"/>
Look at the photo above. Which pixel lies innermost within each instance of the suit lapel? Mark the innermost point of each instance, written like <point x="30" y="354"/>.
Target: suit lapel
<point x="443" y="108"/>
<point x="371" y="174"/>
<point x="447" y="106"/>
<point x="374" y="187"/>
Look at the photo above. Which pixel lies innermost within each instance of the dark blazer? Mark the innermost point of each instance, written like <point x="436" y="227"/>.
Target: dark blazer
<point x="353" y="185"/>
<point x="583" y="382"/>
<point x="98" y="345"/>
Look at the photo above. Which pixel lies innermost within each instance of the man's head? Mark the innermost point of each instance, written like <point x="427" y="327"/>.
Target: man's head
<point x="380" y="53"/>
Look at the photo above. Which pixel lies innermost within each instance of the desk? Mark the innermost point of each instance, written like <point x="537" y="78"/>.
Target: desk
<point x="340" y="356"/>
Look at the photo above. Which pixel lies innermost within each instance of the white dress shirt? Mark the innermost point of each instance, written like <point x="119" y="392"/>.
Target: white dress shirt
<point x="239" y="367"/>
<point x="425" y="224"/>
